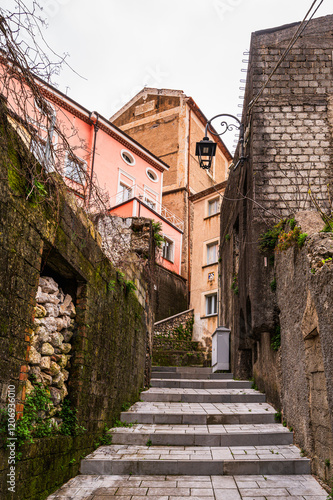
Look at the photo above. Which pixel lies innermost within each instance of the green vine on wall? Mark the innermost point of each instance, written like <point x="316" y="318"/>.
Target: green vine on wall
<point x="184" y="333"/>
<point x="282" y="236"/>
<point x="276" y="339"/>
<point x="234" y="284"/>
<point x="157" y="234"/>
<point x="38" y="419"/>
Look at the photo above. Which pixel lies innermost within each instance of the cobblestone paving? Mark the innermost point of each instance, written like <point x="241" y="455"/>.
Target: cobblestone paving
<point x="301" y="487"/>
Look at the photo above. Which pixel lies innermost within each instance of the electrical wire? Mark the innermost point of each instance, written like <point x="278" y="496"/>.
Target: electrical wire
<point x="292" y="42"/>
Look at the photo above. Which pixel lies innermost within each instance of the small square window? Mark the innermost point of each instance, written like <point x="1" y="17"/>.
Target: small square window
<point x="168" y="249"/>
<point x="211" y="304"/>
<point x="75" y="169"/>
<point x="212" y="252"/>
<point x="213" y="207"/>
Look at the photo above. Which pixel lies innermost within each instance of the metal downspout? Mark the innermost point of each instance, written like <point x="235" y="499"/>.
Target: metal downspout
<point x="189" y="208"/>
<point x="95" y="123"/>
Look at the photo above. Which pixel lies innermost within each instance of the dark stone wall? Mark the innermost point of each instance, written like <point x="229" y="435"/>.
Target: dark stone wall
<point x="113" y="325"/>
<point x="173" y="345"/>
<point x="304" y="296"/>
<point x="289" y="148"/>
<point x="171" y="294"/>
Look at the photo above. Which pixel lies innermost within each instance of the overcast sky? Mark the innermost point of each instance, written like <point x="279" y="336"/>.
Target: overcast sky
<point x="119" y="46"/>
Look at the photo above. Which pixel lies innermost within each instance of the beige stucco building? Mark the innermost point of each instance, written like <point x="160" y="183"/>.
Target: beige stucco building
<point x="169" y="124"/>
<point x="205" y="260"/>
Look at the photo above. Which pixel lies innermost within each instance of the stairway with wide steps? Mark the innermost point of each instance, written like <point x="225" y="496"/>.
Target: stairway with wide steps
<point x="192" y="432"/>
<point x="196" y="435"/>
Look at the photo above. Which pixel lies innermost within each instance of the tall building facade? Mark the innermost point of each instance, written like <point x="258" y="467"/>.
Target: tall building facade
<point x="169" y="123"/>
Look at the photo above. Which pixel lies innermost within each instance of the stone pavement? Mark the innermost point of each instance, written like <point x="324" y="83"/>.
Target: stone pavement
<point x="196" y="436"/>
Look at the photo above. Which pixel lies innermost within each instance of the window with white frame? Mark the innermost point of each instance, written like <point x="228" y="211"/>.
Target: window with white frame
<point x="168" y="249"/>
<point x="75" y="169"/>
<point x="213" y="206"/>
<point x="150" y="203"/>
<point x="211" y="304"/>
<point x="125" y="193"/>
<point x="127" y="157"/>
<point x="212" y="252"/>
<point x="152" y="175"/>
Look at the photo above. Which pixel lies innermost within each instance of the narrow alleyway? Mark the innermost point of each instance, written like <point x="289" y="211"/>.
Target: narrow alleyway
<point x="196" y="435"/>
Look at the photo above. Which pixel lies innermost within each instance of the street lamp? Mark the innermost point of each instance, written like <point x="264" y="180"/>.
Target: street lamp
<point x="206" y="149"/>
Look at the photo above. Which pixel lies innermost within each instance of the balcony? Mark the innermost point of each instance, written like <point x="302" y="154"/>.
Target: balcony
<point x="136" y="192"/>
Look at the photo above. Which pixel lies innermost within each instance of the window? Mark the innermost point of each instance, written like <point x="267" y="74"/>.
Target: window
<point x="211" y="304"/>
<point x="212" y="252"/>
<point x="127" y="157"/>
<point x="150" y="203"/>
<point x="168" y="249"/>
<point x="38" y="148"/>
<point x="213" y="206"/>
<point x="152" y="175"/>
<point x="75" y="169"/>
<point x="125" y="193"/>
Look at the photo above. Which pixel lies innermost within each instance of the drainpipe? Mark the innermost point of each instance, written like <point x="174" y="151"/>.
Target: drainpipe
<point x="94" y="120"/>
<point x="188" y="207"/>
<point x="50" y="132"/>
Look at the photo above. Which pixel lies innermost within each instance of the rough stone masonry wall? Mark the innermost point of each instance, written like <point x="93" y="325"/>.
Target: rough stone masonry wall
<point x="291" y="131"/>
<point x="305" y="296"/>
<point x="110" y="335"/>
<point x="289" y="148"/>
<point x="49" y="354"/>
<point x="173" y="345"/>
<point x="171" y="293"/>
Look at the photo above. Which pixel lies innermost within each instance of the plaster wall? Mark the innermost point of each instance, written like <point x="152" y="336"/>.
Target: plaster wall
<point x="205" y="231"/>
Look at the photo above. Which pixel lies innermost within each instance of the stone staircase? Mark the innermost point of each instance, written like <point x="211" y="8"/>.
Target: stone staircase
<point x="197" y="435"/>
<point x="208" y="425"/>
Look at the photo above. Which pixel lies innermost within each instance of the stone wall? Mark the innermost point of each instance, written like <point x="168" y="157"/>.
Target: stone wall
<point x="289" y="149"/>
<point x="305" y="296"/>
<point x="49" y="353"/>
<point x="112" y="328"/>
<point x="171" y="293"/>
<point x="173" y="345"/>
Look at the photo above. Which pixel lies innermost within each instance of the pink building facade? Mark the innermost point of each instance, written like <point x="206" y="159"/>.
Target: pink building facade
<point x="129" y="176"/>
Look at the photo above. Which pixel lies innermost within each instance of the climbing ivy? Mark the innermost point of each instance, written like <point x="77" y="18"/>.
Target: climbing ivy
<point x="38" y="421"/>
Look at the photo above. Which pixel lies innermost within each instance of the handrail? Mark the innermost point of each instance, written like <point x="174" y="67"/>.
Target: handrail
<point x="136" y="191"/>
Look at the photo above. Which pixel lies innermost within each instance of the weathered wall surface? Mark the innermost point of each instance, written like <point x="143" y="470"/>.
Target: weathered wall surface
<point x="289" y="148"/>
<point x="305" y="301"/>
<point x="112" y="329"/>
<point x="171" y="293"/>
<point x="173" y="345"/>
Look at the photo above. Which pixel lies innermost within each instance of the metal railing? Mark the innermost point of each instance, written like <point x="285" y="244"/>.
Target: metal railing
<point x="139" y="193"/>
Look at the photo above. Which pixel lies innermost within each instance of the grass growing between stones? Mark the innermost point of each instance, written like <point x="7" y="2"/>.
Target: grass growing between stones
<point x="38" y="420"/>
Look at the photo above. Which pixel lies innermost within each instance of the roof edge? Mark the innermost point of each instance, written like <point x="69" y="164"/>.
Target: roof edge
<point x="146" y="90"/>
<point x="208" y="191"/>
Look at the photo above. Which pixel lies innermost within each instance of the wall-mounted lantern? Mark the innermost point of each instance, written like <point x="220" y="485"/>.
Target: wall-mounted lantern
<point x="206" y="149"/>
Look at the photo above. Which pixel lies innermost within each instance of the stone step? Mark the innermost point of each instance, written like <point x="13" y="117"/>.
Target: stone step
<point x="200" y="384"/>
<point x="199" y="414"/>
<point x="200" y="419"/>
<point x="191" y="375"/>
<point x="202" y="370"/>
<point x="192" y="487"/>
<point x="203" y="435"/>
<point x="203" y="395"/>
<point x="183" y="460"/>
